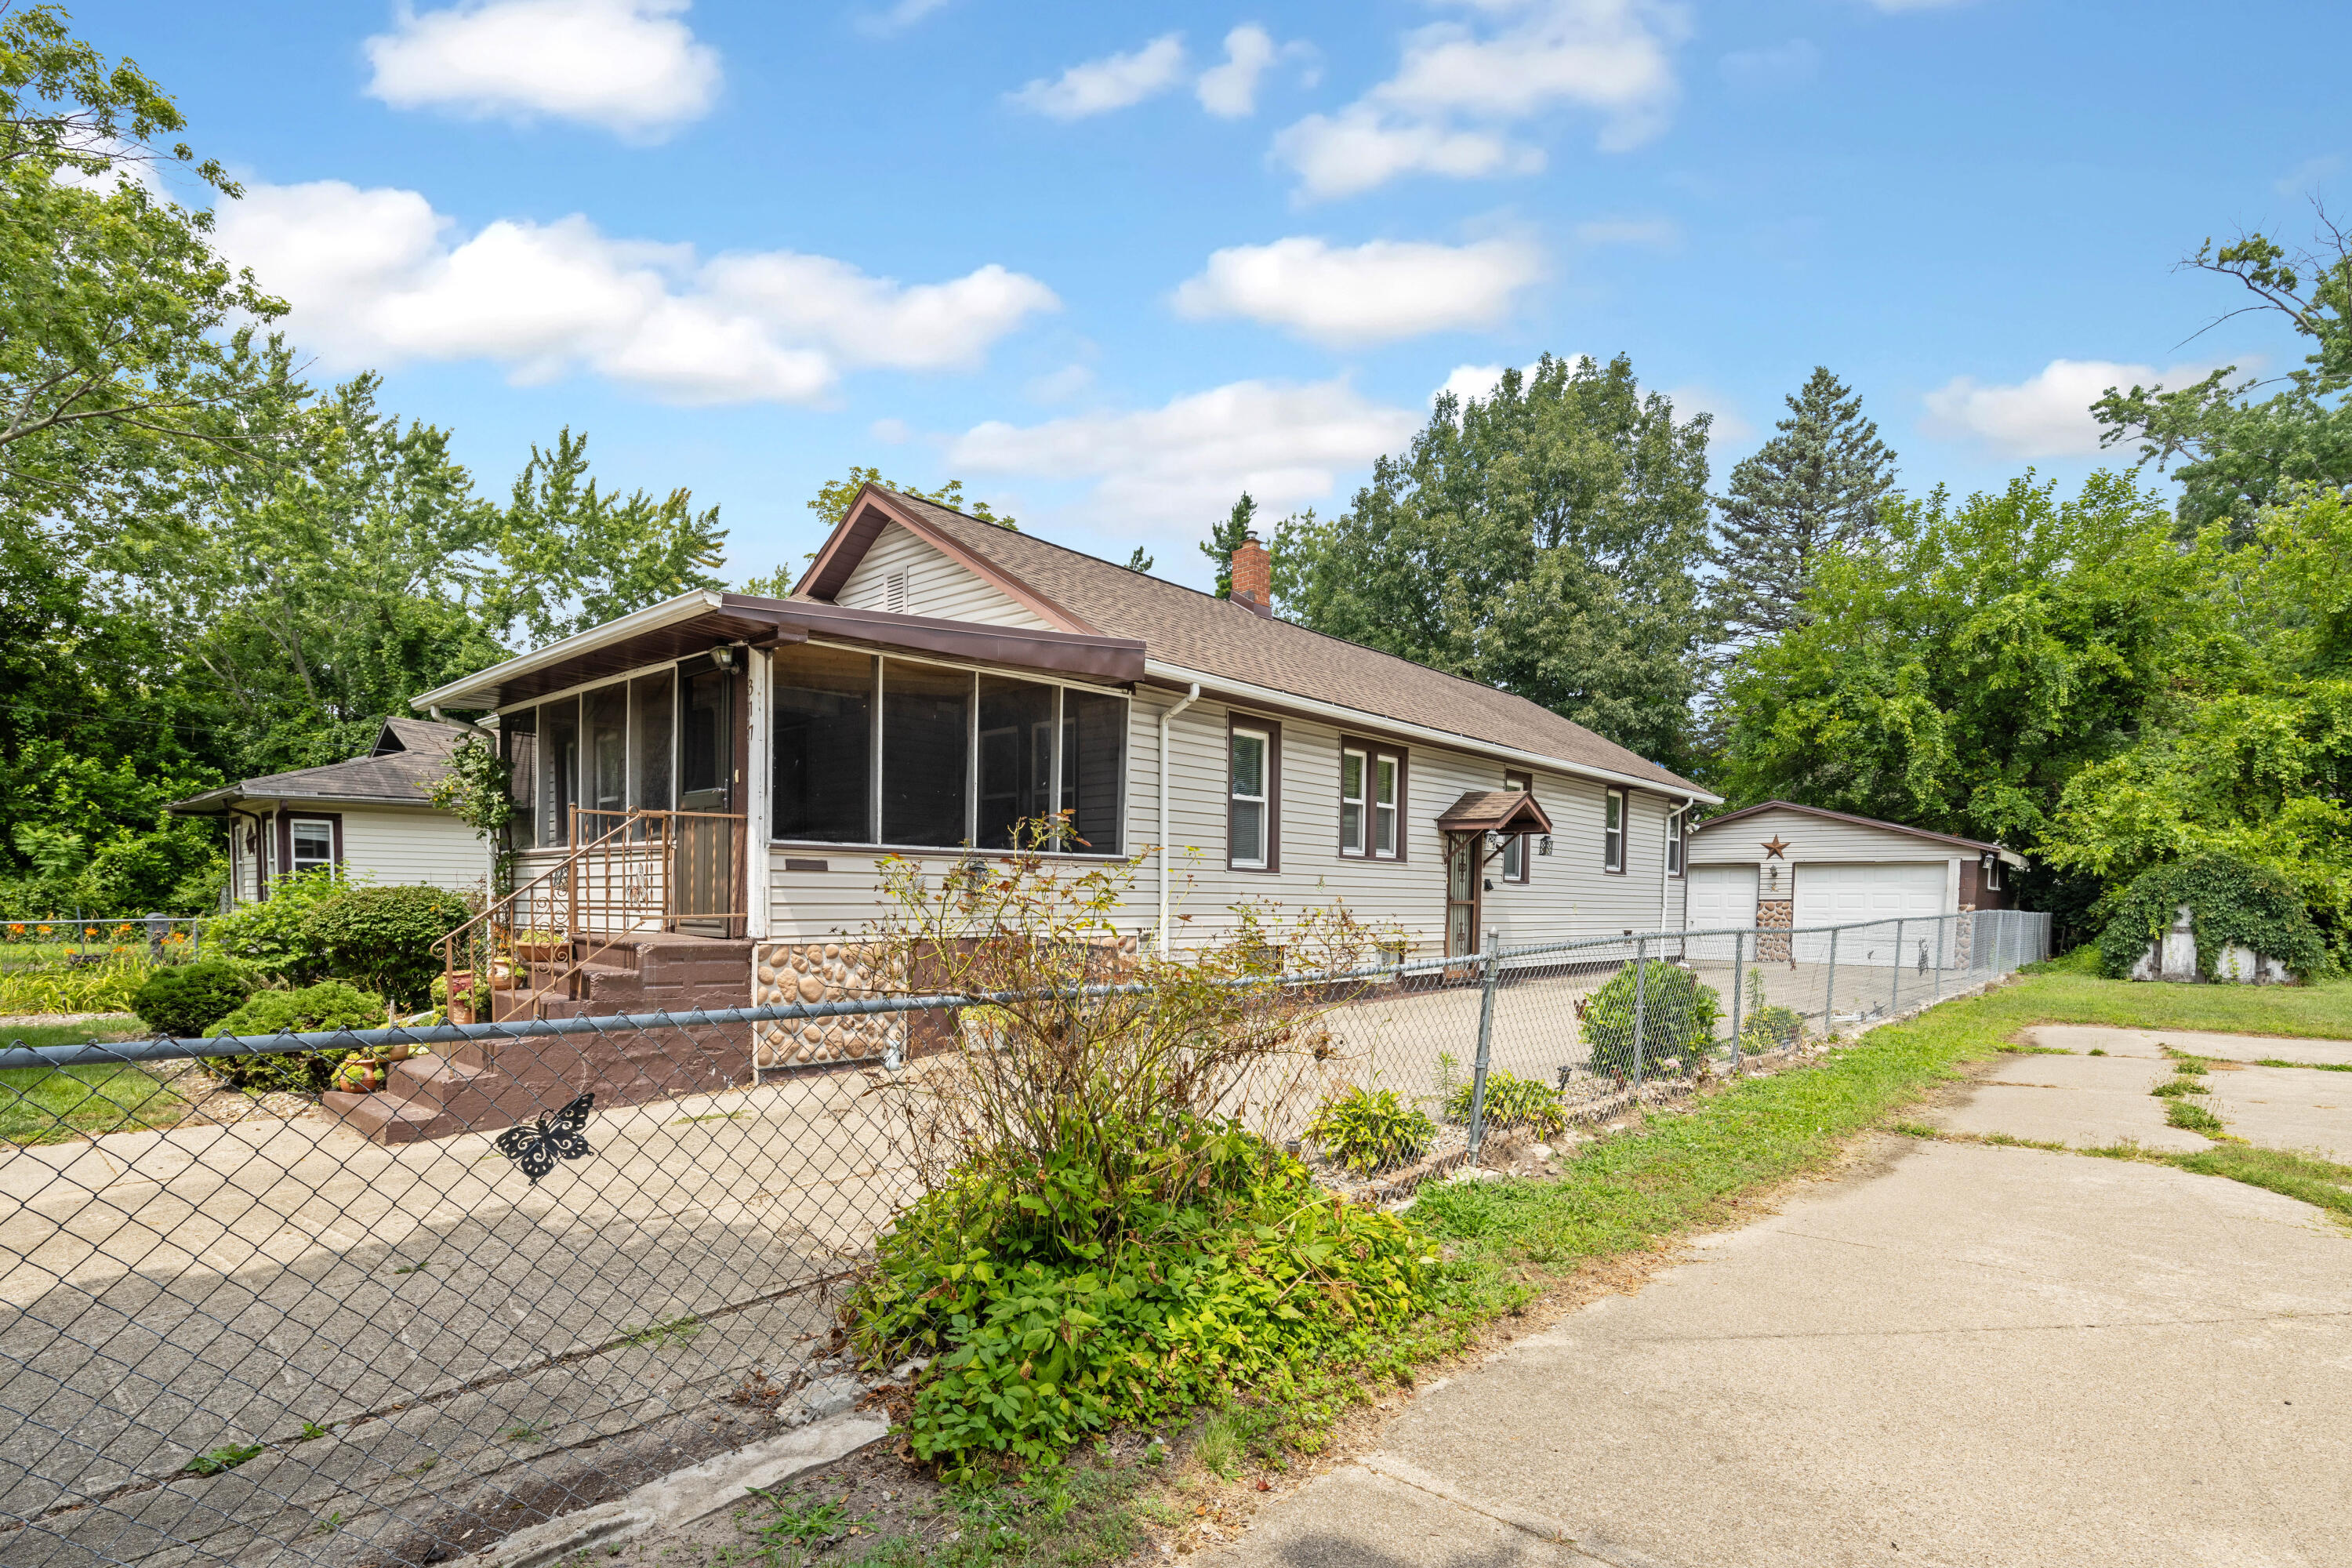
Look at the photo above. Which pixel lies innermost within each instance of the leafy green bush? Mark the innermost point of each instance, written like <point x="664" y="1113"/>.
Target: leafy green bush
<point x="330" y="1005"/>
<point x="1367" y="1130"/>
<point x="1770" y="1029"/>
<point x="2230" y="903"/>
<point x="1041" y="1342"/>
<point x="383" y="937"/>
<point x="275" y="936"/>
<point x="1512" y="1101"/>
<point x="188" y="999"/>
<point x="1679" y="1019"/>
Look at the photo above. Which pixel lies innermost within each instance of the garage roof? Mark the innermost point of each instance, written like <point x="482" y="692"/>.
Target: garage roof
<point x="2009" y="856"/>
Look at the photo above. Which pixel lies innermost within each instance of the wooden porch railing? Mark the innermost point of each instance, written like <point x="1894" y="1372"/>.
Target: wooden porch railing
<point x="629" y="874"/>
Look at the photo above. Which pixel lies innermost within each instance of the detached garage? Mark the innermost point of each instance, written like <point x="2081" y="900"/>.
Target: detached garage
<point x="1784" y="865"/>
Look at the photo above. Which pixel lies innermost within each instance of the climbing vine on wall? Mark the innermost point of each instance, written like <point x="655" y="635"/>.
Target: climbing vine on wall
<point x="2230" y="903"/>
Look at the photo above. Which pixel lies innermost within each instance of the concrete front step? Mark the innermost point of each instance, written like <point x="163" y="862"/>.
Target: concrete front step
<point x="493" y="1084"/>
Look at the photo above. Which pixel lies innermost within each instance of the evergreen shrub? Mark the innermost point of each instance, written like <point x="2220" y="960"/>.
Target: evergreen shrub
<point x="383" y="937"/>
<point x="1678" y="1020"/>
<point x="330" y="1005"/>
<point x="2230" y="904"/>
<point x="186" y="1000"/>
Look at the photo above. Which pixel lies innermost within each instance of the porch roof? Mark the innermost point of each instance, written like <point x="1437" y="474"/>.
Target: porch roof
<point x="1496" y="811"/>
<point x="693" y="623"/>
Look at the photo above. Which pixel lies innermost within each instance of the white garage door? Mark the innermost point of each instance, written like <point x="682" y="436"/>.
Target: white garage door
<point x="1832" y="894"/>
<point x="1716" y="898"/>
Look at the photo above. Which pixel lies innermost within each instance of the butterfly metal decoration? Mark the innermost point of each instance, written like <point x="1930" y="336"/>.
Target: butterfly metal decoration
<point x="537" y="1145"/>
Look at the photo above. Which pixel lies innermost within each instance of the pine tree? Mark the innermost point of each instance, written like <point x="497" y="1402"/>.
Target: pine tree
<point x="1141" y="561"/>
<point x="1815" y="485"/>
<point x="1226" y="538"/>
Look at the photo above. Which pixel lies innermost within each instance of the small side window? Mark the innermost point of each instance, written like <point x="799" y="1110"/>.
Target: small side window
<point x="1676" y="831"/>
<point x="1246" y="846"/>
<point x="1612" y="833"/>
<point x="314" y="844"/>
<point x="1353" y="772"/>
<point x="1515" y="851"/>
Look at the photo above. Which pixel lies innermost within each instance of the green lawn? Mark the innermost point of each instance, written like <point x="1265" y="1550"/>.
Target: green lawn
<point x="45" y="1105"/>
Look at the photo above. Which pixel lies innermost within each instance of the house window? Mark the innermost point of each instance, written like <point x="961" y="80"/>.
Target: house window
<point x="1612" y="833"/>
<point x="821" y="779"/>
<point x="559" y="769"/>
<point x="314" y="844"/>
<point x="1094" y="768"/>
<point x="653" y="700"/>
<point x="1371" y="793"/>
<point x="1515" y="848"/>
<point x="607" y="787"/>
<point x="1676" y="822"/>
<point x="1992" y="873"/>
<point x="518" y="739"/>
<point x="1018" y="726"/>
<point x="1250" y="802"/>
<point x="927" y="749"/>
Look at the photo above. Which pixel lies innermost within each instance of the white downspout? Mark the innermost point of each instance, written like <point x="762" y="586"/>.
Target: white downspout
<point x="1166" y="714"/>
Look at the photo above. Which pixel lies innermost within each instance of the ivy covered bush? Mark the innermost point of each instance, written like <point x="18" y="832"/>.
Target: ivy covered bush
<point x="2230" y="904"/>
<point x="1678" y="1020"/>
<point x="1370" y="1129"/>
<point x="383" y="937"/>
<point x="1108" y="1233"/>
<point x="330" y="1005"/>
<point x="186" y="1000"/>
<point x="1512" y="1101"/>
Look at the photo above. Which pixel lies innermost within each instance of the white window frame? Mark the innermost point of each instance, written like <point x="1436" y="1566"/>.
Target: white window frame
<point x="1387" y="769"/>
<point x="1516" y="848"/>
<point x="1262" y="800"/>
<point x="1360" y="802"/>
<point x="1612" y="833"/>
<point x="294" y="827"/>
<point x="1992" y="882"/>
<point x="1675" y="840"/>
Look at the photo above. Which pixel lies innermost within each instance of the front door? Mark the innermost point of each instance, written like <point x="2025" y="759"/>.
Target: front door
<point x="706" y="860"/>
<point x="1464" y="861"/>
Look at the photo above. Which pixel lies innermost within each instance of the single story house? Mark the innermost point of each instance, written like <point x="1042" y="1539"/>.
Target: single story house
<point x="1785" y="865"/>
<point x="935" y="678"/>
<point x="371" y="814"/>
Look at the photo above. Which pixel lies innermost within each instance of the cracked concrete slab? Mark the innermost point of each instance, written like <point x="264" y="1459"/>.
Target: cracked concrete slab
<point x="1958" y="1354"/>
<point x="2286" y="1108"/>
<point x="2085" y="1037"/>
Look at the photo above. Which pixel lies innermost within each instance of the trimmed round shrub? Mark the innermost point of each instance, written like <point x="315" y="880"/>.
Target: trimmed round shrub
<point x="1367" y="1130"/>
<point x="1512" y="1101"/>
<point x="330" y="1005"/>
<point x="2230" y="904"/>
<point x="188" y="999"/>
<point x="382" y="937"/>
<point x="1678" y="1020"/>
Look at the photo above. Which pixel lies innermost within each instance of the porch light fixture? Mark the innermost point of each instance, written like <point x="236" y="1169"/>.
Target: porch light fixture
<point x="723" y="656"/>
<point x="1543" y="845"/>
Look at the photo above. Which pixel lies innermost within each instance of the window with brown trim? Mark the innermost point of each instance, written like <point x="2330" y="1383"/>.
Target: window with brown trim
<point x="1514" y="851"/>
<point x="1612" y="833"/>
<point x="1253" y="793"/>
<point x="1371" y="800"/>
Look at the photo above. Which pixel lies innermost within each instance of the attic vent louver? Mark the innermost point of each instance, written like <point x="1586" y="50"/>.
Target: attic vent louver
<point x="894" y="593"/>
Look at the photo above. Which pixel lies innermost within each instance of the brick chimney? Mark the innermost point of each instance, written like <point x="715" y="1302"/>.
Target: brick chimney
<point x="1253" y="577"/>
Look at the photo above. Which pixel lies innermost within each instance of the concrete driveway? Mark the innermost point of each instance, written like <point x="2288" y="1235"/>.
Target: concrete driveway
<point x="1956" y="1354"/>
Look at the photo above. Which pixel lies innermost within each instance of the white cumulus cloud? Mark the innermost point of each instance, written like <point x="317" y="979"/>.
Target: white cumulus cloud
<point x="1229" y="90"/>
<point x="1287" y="444"/>
<point x="1340" y="295"/>
<point x="377" y="276"/>
<point x="1115" y="81"/>
<point x="632" y="66"/>
<point x="2045" y="415"/>
<point x="1459" y="86"/>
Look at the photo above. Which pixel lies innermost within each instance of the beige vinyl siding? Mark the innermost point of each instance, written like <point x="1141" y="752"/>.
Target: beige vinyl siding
<point x="1567" y="895"/>
<point x="936" y="585"/>
<point x="1812" y="838"/>
<point x="419" y="846"/>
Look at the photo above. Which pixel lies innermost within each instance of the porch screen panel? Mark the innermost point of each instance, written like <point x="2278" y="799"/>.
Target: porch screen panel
<point x="823" y="774"/>
<point x="559" y="769"/>
<point x="926" y="751"/>
<point x="655" y="698"/>
<point x="1016" y="758"/>
<point x="519" y="743"/>
<point x="607" y="784"/>
<point x="1094" y="767"/>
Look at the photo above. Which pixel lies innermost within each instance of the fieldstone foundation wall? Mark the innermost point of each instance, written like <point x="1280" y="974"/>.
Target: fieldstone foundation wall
<point x="1771" y="915"/>
<point x="784" y="973"/>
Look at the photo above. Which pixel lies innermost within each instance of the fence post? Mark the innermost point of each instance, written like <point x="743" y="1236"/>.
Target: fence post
<point x="1641" y="990"/>
<point x="1485" y="1046"/>
<point x="1938" y="994"/>
<point x="1739" y="994"/>
<point x="1829" y="989"/>
<point x="1894" y="985"/>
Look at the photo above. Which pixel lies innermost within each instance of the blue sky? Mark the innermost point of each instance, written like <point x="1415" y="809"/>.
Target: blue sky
<point x="1111" y="264"/>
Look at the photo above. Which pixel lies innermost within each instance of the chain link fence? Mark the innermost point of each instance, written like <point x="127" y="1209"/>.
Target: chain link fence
<point x="236" y="1331"/>
<point x="35" y="942"/>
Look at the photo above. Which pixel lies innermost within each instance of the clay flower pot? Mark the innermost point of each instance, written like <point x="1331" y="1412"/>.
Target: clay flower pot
<point x="360" y="1075"/>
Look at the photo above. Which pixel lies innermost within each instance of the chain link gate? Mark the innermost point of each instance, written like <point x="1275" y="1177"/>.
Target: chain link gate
<point x="238" y="1334"/>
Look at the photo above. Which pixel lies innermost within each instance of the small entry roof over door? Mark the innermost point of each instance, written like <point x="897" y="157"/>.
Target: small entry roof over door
<point x="1496" y="811"/>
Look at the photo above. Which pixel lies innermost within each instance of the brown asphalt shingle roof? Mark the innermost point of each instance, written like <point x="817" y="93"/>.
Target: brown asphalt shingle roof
<point x="1218" y="638"/>
<point x="403" y="774"/>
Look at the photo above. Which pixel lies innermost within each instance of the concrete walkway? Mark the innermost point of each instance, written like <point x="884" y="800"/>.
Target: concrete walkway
<point x="1955" y="1354"/>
